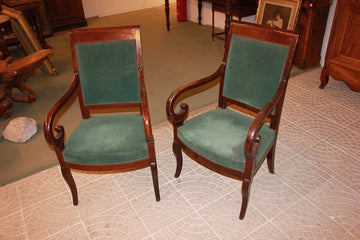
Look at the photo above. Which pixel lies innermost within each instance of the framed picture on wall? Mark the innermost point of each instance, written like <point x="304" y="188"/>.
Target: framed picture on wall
<point x="278" y="13"/>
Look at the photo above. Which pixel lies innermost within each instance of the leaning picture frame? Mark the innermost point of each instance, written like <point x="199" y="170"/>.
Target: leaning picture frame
<point x="278" y="13"/>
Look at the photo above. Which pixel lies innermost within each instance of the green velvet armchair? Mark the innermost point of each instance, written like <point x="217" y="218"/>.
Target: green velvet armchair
<point x="235" y="138"/>
<point x="115" y="131"/>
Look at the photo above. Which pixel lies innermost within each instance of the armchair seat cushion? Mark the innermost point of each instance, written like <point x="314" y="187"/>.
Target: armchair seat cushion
<point x="107" y="139"/>
<point x="219" y="135"/>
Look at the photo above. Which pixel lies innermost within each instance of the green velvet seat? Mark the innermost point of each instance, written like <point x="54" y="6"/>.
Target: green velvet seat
<point x="122" y="139"/>
<point x="219" y="135"/>
<point x="235" y="138"/>
<point x="115" y="131"/>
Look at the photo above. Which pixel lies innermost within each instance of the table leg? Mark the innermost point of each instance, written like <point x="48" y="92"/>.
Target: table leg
<point x="167" y="10"/>
<point x="199" y="11"/>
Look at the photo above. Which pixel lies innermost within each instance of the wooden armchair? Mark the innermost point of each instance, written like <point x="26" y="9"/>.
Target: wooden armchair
<point x="108" y="76"/>
<point x="253" y="77"/>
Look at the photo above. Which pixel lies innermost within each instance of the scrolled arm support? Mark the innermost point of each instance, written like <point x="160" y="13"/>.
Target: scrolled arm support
<point x="57" y="140"/>
<point x="177" y="118"/>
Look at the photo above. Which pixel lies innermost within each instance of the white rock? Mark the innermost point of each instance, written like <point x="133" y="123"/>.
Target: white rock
<point x="20" y="129"/>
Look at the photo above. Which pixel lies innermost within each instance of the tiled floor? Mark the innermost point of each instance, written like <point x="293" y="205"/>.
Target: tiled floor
<point x="315" y="193"/>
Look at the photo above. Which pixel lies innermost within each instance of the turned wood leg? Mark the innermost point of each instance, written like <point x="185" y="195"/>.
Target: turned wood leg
<point x="270" y="160"/>
<point x="154" y="173"/>
<point x="70" y="181"/>
<point x="199" y="11"/>
<point x="178" y="156"/>
<point x="245" y="191"/>
<point x="324" y="78"/>
<point x="167" y="11"/>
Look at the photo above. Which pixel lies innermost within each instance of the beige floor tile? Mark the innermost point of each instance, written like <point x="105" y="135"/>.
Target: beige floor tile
<point x="167" y="164"/>
<point x="202" y="187"/>
<point x="75" y="232"/>
<point x="120" y="222"/>
<point x="295" y="138"/>
<point x="39" y="187"/>
<point x="270" y="196"/>
<point x="50" y="216"/>
<point x="342" y="95"/>
<point x="328" y="158"/>
<point x="267" y="232"/>
<point x="191" y="227"/>
<point x="318" y="126"/>
<point x="356" y="231"/>
<point x="159" y="215"/>
<point x="301" y="175"/>
<point x="305" y="221"/>
<point x="139" y="182"/>
<point x="12" y="226"/>
<point x="98" y="196"/>
<point x="9" y="201"/>
<point x="305" y="99"/>
<point x="346" y="140"/>
<point x="335" y="112"/>
<point x="223" y="217"/>
<point x="338" y="202"/>
<point x="350" y="176"/>
<point x="163" y="138"/>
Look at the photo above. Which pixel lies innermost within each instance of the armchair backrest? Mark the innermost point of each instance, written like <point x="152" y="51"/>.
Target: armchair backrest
<point x="109" y="66"/>
<point x="257" y="60"/>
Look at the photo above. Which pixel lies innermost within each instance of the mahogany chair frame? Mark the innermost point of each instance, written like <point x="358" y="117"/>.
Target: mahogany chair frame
<point x="272" y="111"/>
<point x="55" y="134"/>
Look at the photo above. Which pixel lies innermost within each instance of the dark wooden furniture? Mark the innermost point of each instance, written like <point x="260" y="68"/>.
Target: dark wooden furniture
<point x="31" y="11"/>
<point x="253" y="76"/>
<point x="311" y="25"/>
<point x="342" y="60"/>
<point x="238" y="8"/>
<point x="13" y="75"/>
<point x="65" y="14"/>
<point x="221" y="5"/>
<point x="108" y="76"/>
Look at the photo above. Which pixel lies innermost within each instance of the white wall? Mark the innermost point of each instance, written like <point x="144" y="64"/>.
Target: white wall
<point x="93" y="8"/>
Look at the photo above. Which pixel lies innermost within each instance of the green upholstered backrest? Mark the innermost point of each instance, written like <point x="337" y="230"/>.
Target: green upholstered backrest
<point x="253" y="70"/>
<point x="108" y="72"/>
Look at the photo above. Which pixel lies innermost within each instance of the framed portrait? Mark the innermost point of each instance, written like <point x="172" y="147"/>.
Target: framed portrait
<point x="278" y="13"/>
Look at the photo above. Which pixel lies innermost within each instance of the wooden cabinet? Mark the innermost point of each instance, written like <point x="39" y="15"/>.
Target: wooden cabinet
<point x="342" y="60"/>
<point x="65" y="14"/>
<point x="311" y="26"/>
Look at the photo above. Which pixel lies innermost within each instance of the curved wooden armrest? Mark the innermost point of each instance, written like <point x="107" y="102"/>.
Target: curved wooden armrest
<point x="253" y="138"/>
<point x="177" y="118"/>
<point x="57" y="141"/>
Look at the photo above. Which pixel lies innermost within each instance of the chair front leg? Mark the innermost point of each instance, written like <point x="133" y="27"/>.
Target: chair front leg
<point x="70" y="181"/>
<point x="245" y="191"/>
<point x="154" y="173"/>
<point x="178" y="156"/>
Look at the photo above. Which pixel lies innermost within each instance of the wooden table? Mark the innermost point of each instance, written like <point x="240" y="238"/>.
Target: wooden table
<point x="228" y="6"/>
